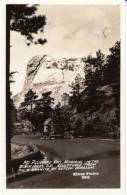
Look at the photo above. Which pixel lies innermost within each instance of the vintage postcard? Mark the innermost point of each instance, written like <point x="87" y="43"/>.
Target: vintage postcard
<point x="64" y="65"/>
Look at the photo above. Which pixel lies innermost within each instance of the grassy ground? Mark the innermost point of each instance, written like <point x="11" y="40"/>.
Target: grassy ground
<point x="106" y="151"/>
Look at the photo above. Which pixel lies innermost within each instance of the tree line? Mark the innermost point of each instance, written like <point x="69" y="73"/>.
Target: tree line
<point x="90" y="99"/>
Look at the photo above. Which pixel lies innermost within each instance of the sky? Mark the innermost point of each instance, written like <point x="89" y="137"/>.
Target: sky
<point x="71" y="31"/>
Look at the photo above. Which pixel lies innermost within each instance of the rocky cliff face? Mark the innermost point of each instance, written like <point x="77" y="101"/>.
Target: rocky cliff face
<point x="45" y="73"/>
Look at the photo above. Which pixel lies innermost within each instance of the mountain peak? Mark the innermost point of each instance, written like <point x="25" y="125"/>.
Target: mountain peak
<point x="46" y="73"/>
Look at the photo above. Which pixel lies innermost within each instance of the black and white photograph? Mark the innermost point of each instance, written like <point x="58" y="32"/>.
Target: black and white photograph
<point x="63" y="66"/>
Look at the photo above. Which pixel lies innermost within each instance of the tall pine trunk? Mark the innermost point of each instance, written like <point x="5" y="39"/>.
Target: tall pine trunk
<point x="8" y="120"/>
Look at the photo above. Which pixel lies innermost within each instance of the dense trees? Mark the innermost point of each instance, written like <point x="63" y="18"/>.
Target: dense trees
<point x="112" y="75"/>
<point x="27" y="107"/>
<point x="36" y="109"/>
<point x="98" y="95"/>
<point x="92" y="106"/>
<point x="101" y="93"/>
<point x="112" y="70"/>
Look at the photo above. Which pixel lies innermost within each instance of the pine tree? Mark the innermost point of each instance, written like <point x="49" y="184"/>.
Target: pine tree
<point x="96" y="65"/>
<point x="91" y="96"/>
<point x="27" y="107"/>
<point x="112" y="67"/>
<point x="76" y="88"/>
<point x="21" y="18"/>
<point x="112" y="75"/>
<point x="29" y="99"/>
<point x="43" y="107"/>
<point x="99" y="65"/>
